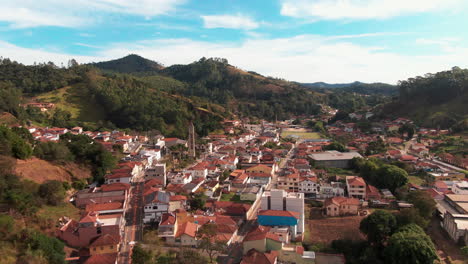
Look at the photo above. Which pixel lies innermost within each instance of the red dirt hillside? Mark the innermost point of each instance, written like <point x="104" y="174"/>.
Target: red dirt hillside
<point x="40" y="171"/>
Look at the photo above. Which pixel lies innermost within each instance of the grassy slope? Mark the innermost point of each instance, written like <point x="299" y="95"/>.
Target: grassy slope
<point x="74" y="99"/>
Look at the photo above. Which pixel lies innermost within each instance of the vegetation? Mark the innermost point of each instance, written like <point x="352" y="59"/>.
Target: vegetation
<point x="12" y="143"/>
<point x="207" y="236"/>
<point x="381" y="175"/>
<point x="378" y="227"/>
<point x="436" y="100"/>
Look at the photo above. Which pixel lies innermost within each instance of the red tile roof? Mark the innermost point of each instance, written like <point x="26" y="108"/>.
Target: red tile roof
<point x="187" y="228"/>
<point x="340" y="200"/>
<point x="102" y="259"/>
<point x="280" y="213"/>
<point x="118" y="186"/>
<point x="168" y="219"/>
<point x="256" y="257"/>
<point x="104" y="240"/>
<point x="103" y="206"/>
<point x="354" y="180"/>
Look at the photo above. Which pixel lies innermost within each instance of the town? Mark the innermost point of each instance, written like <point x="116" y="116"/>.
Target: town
<point x="260" y="192"/>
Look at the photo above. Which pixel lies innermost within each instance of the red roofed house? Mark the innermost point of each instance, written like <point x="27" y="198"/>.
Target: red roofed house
<point x="262" y="240"/>
<point x="105" y="244"/>
<point x="256" y="257"/>
<point x="372" y="193"/>
<point x="185" y="235"/>
<point x="356" y="187"/>
<point x="91" y="226"/>
<point x="339" y="206"/>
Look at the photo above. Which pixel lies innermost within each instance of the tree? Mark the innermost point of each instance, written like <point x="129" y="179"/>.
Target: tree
<point x="140" y="255"/>
<point x="207" y="235"/>
<point x="410" y="247"/>
<point x="411" y="216"/>
<point x="52" y="192"/>
<point x="51" y="247"/>
<point x="52" y="151"/>
<point x="378" y="226"/>
<point x="376" y="147"/>
<point x="391" y="177"/>
<point x="336" y="146"/>
<point x="423" y="202"/>
<point x="197" y="202"/>
<point x="407" y="128"/>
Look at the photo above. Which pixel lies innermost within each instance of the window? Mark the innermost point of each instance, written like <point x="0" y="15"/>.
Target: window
<point x="155" y="207"/>
<point x="111" y="247"/>
<point x="117" y="180"/>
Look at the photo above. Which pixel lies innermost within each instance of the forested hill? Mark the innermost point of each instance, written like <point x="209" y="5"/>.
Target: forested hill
<point x="130" y="64"/>
<point x="439" y="99"/>
<point x="246" y="93"/>
<point x="356" y="87"/>
<point x="85" y="96"/>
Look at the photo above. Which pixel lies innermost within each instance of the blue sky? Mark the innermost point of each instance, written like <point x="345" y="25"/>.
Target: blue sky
<point x="299" y="40"/>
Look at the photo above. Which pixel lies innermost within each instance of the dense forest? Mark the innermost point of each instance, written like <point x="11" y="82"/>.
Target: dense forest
<point x="356" y="87"/>
<point x="437" y="100"/>
<point x="125" y="101"/>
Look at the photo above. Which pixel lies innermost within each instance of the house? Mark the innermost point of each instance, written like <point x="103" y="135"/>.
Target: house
<point x="104" y="244"/>
<point x="331" y="190"/>
<point x="255" y="257"/>
<point x="261" y="168"/>
<point x="156" y="204"/>
<point x="101" y="259"/>
<point x="334" y="159"/>
<point x="356" y="187"/>
<point x="103" y="195"/>
<point x="123" y="177"/>
<point x="309" y="185"/>
<point x="199" y="170"/>
<point x="90" y="227"/>
<point x="261" y="240"/>
<point x="372" y="193"/>
<point x="297" y="254"/>
<point x="185" y="235"/>
<point x="168" y="225"/>
<point x="339" y="206"/>
<point x="181" y="178"/>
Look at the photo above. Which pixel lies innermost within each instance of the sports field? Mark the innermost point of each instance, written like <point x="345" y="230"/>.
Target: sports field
<point x="301" y="133"/>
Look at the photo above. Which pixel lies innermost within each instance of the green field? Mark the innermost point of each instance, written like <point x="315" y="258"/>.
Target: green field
<point x="300" y="134"/>
<point x="76" y="100"/>
<point x="416" y="180"/>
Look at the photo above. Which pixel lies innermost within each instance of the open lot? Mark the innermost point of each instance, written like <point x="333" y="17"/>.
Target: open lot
<point x="325" y="230"/>
<point x="301" y="133"/>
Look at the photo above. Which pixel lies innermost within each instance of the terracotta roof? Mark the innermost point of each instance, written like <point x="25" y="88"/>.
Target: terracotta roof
<point x="280" y="213"/>
<point x="118" y="175"/>
<point x="177" y="198"/>
<point x="354" y="180"/>
<point x="104" y="240"/>
<point x="103" y="206"/>
<point x="255" y="257"/>
<point x="340" y="200"/>
<point x="167" y="219"/>
<point x="118" y="186"/>
<point x="187" y="228"/>
<point x="260" y="233"/>
<point x="90" y="217"/>
<point x="102" y="259"/>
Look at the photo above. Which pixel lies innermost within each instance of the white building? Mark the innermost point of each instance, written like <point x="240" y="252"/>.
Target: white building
<point x="156" y="204"/>
<point x="308" y="186"/>
<point x="460" y="187"/>
<point x="284" y="201"/>
<point x="356" y="187"/>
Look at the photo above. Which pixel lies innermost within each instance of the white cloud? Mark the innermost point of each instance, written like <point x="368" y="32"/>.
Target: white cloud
<point x="361" y="9"/>
<point x="229" y="21"/>
<point x="67" y="13"/>
<point x="303" y="58"/>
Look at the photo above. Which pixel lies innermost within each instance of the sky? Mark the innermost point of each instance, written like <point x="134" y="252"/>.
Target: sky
<point x="334" y="41"/>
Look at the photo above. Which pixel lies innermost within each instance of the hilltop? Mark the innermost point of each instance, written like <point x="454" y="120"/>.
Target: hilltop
<point x="244" y="92"/>
<point x="129" y="64"/>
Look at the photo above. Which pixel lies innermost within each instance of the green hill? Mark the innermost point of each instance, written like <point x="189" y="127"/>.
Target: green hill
<point x="436" y="100"/>
<point x="129" y="64"/>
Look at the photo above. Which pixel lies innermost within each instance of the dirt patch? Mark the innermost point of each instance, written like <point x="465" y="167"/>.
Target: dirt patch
<point x="8" y="119"/>
<point x="40" y="171"/>
<point x="325" y="230"/>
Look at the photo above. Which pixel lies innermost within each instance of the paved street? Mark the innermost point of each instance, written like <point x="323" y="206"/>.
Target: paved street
<point x="133" y="230"/>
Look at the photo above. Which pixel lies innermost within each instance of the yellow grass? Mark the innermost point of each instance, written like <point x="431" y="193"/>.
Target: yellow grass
<point x="301" y="134"/>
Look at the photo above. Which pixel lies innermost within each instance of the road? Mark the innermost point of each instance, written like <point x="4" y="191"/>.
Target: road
<point x="133" y="230"/>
